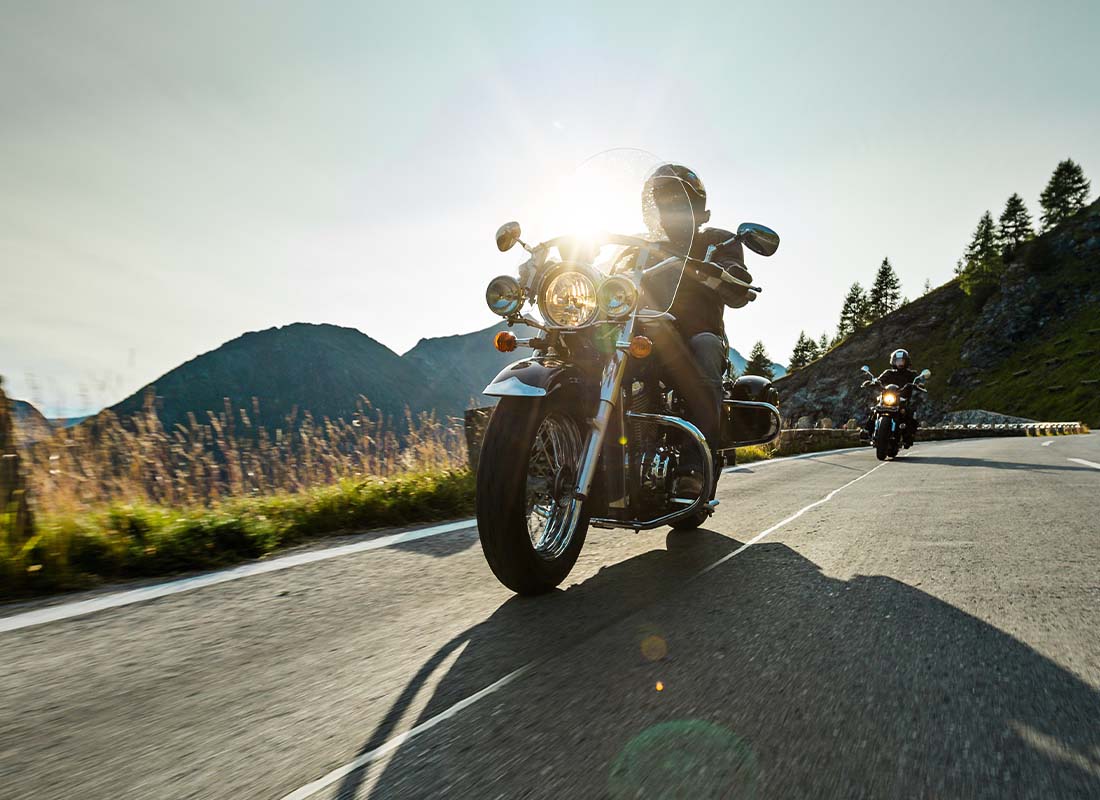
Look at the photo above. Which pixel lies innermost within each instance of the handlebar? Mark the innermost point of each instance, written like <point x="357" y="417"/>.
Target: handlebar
<point x="700" y="267"/>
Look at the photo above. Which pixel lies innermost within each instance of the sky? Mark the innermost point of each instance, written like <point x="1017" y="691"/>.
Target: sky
<point x="174" y="174"/>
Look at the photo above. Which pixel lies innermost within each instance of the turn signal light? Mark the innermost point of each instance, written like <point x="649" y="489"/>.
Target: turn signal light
<point x="505" y="341"/>
<point x="640" y="346"/>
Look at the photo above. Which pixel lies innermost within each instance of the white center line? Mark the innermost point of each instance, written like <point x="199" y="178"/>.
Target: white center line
<point x="1092" y="464"/>
<point x="363" y="760"/>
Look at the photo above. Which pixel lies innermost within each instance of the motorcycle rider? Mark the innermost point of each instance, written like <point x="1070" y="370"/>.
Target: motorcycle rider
<point x="694" y="355"/>
<point x="900" y="373"/>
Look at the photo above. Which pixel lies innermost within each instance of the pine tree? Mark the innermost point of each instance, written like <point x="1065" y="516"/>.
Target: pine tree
<point x="853" y="314"/>
<point x="885" y="292"/>
<point x="823" y="344"/>
<point x="927" y="286"/>
<point x="759" y="363"/>
<point x="1065" y="195"/>
<point x="981" y="262"/>
<point x="1015" y="224"/>
<point x="805" y="351"/>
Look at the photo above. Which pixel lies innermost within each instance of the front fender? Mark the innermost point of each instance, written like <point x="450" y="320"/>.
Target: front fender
<point x="537" y="376"/>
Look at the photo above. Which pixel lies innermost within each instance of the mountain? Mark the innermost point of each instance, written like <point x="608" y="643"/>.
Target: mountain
<point x="1029" y="349"/>
<point x="457" y="368"/>
<point x="29" y="423"/>
<point x="739" y="362"/>
<point x="323" y="369"/>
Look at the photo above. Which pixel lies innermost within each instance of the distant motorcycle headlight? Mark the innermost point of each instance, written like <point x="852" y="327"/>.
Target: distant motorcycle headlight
<point x="568" y="300"/>
<point x="889" y="399"/>
<point x="504" y="296"/>
<point x="617" y="296"/>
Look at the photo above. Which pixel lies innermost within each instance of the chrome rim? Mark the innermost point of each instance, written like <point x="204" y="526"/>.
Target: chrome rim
<point x="553" y="510"/>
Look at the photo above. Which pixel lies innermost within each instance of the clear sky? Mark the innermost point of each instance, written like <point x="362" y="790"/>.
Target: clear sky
<point x="173" y="174"/>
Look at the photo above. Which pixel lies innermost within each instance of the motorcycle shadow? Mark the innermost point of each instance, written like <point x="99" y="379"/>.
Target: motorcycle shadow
<point x="825" y="688"/>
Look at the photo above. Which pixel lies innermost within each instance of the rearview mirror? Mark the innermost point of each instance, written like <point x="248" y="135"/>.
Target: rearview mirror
<point x="925" y="374"/>
<point x="866" y="369"/>
<point x="758" y="238"/>
<point x="507" y="236"/>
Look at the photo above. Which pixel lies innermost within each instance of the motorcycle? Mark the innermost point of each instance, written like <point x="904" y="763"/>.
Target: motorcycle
<point x="891" y="412"/>
<point x="585" y="431"/>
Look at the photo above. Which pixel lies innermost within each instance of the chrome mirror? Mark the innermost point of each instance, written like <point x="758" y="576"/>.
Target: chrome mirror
<point x="507" y="236"/>
<point x="761" y="239"/>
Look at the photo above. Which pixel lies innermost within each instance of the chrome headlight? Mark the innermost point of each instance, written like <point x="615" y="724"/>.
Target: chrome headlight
<point x="889" y="399"/>
<point x="504" y="296"/>
<point x="568" y="299"/>
<point x="617" y="296"/>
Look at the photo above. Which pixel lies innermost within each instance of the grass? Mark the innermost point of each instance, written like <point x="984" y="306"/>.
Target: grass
<point x="118" y="499"/>
<point x="131" y="540"/>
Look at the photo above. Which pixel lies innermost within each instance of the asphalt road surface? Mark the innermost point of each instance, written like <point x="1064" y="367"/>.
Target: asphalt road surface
<point x="929" y="627"/>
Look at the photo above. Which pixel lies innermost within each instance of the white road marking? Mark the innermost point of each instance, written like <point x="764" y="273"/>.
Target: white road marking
<point x="340" y="772"/>
<point x="1092" y="464"/>
<point x="788" y="520"/>
<point x="1047" y="444"/>
<point x="311" y="789"/>
<point x="125" y="598"/>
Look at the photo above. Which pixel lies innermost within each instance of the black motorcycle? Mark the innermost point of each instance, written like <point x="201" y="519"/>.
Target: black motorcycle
<point x="891" y="413"/>
<point x="585" y="432"/>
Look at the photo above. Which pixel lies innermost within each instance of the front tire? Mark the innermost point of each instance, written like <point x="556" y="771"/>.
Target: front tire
<point x="530" y="525"/>
<point x="882" y="439"/>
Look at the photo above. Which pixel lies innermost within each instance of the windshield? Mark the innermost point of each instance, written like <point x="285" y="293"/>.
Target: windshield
<point x="614" y="206"/>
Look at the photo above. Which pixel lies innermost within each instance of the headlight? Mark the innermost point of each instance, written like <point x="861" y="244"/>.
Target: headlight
<point x="617" y="296"/>
<point x="504" y="296"/>
<point x="889" y="399"/>
<point x="568" y="300"/>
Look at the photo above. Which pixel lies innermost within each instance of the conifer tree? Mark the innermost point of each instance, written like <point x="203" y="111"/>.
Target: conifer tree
<point x="759" y="363"/>
<point x="1065" y="195"/>
<point x="823" y="344"/>
<point x="853" y="314"/>
<point x="805" y="351"/>
<point x="981" y="262"/>
<point x="885" y="292"/>
<point x="1015" y="224"/>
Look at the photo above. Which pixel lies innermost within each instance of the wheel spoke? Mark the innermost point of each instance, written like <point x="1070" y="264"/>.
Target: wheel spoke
<point x="552" y="520"/>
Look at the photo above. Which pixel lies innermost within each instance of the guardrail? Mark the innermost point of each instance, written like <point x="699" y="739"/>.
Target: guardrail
<point x="792" y="441"/>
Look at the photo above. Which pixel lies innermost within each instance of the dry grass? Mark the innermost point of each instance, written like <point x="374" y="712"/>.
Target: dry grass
<point x="115" y="499"/>
<point x="107" y="460"/>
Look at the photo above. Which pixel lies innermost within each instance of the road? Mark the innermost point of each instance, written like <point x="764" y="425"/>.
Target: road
<point x="923" y="628"/>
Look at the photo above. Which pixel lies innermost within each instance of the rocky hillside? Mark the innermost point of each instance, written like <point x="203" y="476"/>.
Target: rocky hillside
<point x="29" y="423"/>
<point x="1031" y="349"/>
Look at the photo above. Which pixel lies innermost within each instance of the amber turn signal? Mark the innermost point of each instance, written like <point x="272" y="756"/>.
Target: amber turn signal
<point x="640" y="346"/>
<point x="505" y="342"/>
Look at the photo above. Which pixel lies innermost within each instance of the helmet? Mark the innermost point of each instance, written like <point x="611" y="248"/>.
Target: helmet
<point x="899" y="359"/>
<point x="674" y="202"/>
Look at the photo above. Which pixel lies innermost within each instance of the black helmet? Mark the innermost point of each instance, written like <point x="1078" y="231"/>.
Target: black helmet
<point x="899" y="359"/>
<point x="674" y="202"/>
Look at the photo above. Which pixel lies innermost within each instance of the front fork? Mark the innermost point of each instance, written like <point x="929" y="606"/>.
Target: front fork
<point x="611" y="384"/>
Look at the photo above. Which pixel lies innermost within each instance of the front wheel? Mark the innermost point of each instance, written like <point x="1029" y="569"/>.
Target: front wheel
<point x="530" y="523"/>
<point x="882" y="439"/>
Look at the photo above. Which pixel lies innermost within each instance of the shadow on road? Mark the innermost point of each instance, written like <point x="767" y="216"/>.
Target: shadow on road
<point x="958" y="461"/>
<point x="865" y="687"/>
